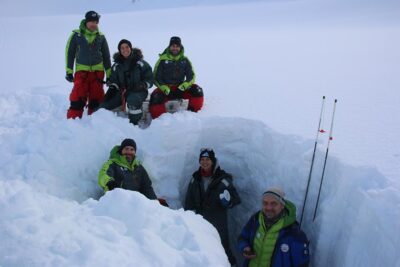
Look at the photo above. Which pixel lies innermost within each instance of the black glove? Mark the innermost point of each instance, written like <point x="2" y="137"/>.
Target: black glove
<point x="113" y="86"/>
<point x="108" y="83"/>
<point x="69" y="77"/>
<point x="143" y="85"/>
<point x="112" y="184"/>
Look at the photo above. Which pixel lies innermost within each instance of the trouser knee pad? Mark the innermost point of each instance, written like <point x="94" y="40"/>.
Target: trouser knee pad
<point x="196" y="91"/>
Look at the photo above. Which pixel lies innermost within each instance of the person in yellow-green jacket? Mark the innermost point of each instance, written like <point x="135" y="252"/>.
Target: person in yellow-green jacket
<point x="272" y="237"/>
<point x="175" y="79"/>
<point x="123" y="170"/>
<point x="88" y="50"/>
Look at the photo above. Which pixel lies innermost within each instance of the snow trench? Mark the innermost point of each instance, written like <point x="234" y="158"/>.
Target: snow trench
<point x="54" y="160"/>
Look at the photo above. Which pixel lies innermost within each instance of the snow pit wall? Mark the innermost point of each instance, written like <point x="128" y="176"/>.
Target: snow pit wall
<point x="62" y="158"/>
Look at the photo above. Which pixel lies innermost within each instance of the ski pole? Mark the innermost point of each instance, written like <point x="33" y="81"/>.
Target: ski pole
<point x="319" y="130"/>
<point x="326" y="157"/>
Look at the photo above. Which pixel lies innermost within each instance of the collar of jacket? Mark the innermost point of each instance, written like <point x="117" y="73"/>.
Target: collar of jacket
<point x="90" y="36"/>
<point x="166" y="55"/>
<point x="121" y="160"/>
<point x="134" y="56"/>
<point x="288" y="219"/>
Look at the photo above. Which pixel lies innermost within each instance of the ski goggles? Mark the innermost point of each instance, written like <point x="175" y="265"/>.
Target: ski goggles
<point x="207" y="149"/>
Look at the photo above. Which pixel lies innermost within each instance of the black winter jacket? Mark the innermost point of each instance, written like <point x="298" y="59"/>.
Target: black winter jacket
<point x="207" y="203"/>
<point x="133" y="74"/>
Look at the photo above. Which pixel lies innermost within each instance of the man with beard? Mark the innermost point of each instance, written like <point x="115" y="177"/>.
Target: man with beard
<point x="175" y="79"/>
<point x="123" y="170"/>
<point x="272" y="236"/>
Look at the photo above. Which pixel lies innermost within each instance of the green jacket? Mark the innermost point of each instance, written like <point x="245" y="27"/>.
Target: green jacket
<point x="130" y="176"/>
<point x="89" y="50"/>
<point x="265" y="239"/>
<point x="173" y="70"/>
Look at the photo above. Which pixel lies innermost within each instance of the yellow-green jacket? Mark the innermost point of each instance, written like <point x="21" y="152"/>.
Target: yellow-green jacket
<point x="89" y="50"/>
<point x="126" y="175"/>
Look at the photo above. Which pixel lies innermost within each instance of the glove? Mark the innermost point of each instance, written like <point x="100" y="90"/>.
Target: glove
<point x="108" y="83"/>
<point x="225" y="198"/>
<point x="69" y="77"/>
<point x="112" y="184"/>
<point x="141" y="86"/>
<point x="113" y="86"/>
<point x="165" y="89"/>
<point x="163" y="202"/>
<point x="184" y="86"/>
<point x="248" y="253"/>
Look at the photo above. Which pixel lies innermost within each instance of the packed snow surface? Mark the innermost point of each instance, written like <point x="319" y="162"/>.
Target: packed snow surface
<point x="260" y="63"/>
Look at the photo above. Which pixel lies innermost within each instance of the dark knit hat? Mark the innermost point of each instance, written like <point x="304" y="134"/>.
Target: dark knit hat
<point x="208" y="153"/>
<point x="127" y="142"/>
<point x="175" y="40"/>
<point x="124" y="41"/>
<point x="92" y="16"/>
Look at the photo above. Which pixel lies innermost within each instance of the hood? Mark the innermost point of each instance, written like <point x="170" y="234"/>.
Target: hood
<point x="135" y="56"/>
<point x="166" y="55"/>
<point x="116" y="157"/>
<point x="290" y="217"/>
<point x="90" y="36"/>
<point x="84" y="30"/>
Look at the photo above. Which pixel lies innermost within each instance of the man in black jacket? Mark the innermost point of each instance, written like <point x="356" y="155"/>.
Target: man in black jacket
<point x="211" y="193"/>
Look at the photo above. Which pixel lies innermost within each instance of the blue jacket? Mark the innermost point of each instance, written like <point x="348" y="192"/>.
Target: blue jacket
<point x="291" y="249"/>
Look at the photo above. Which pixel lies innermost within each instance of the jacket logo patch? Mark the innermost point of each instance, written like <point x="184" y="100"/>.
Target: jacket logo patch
<point x="225" y="182"/>
<point x="258" y="235"/>
<point x="284" y="248"/>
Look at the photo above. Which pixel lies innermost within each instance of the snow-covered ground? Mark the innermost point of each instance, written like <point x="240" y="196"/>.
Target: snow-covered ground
<point x="260" y="63"/>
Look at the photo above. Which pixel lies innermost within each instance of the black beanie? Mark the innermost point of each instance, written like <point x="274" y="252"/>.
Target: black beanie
<point x="127" y="142"/>
<point x="124" y="41"/>
<point x="92" y="16"/>
<point x="175" y="40"/>
<point x="208" y="153"/>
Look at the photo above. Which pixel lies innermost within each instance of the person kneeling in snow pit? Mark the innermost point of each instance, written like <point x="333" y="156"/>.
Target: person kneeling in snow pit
<point x="174" y="78"/>
<point x="123" y="170"/>
<point x="211" y="193"/>
<point x="130" y="79"/>
<point x="272" y="237"/>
